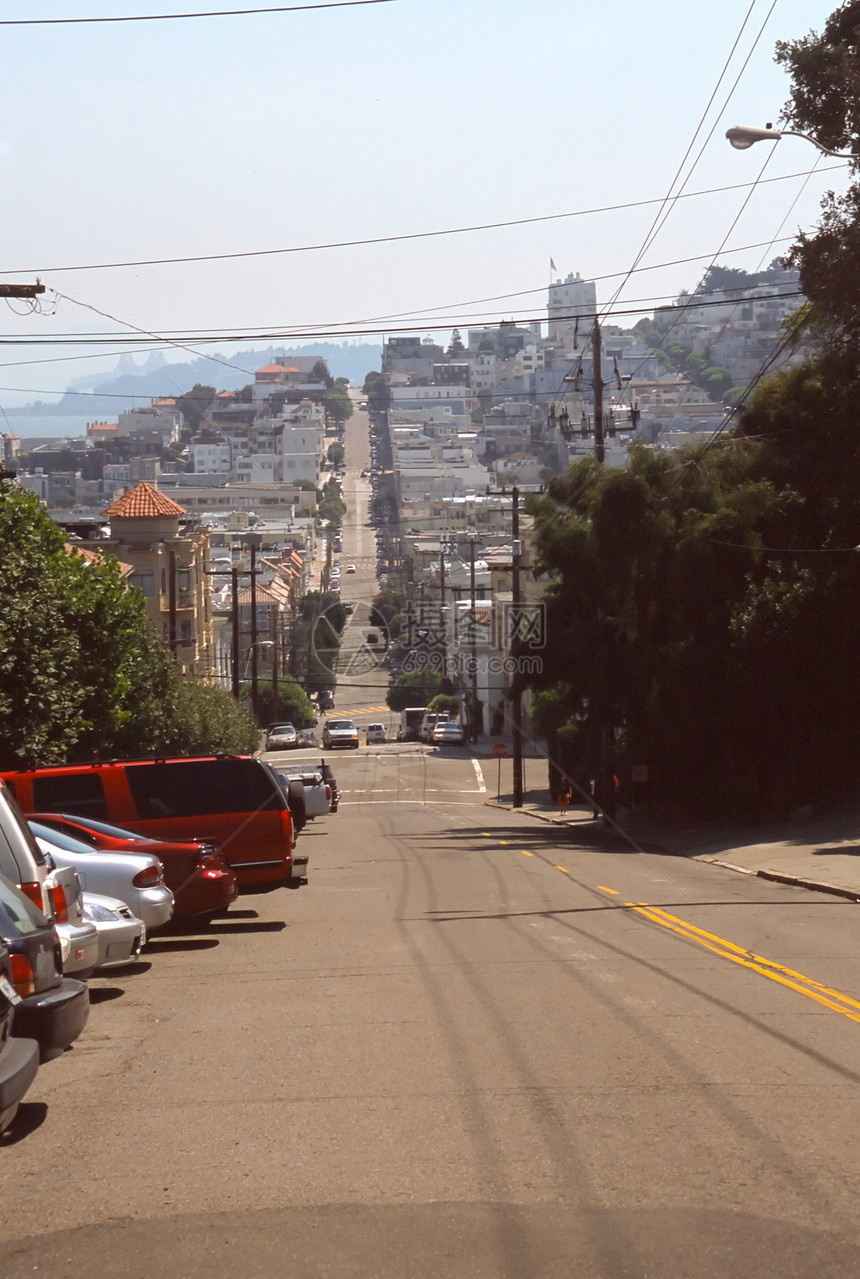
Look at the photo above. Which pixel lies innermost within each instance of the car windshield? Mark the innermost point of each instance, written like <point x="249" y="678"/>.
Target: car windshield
<point x="338" y="724"/>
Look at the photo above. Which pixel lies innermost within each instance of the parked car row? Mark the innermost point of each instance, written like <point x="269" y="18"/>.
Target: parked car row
<point x="103" y="854"/>
<point x="42" y="1011"/>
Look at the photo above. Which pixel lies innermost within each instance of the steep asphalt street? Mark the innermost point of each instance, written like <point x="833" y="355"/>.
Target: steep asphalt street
<point x="474" y="1044"/>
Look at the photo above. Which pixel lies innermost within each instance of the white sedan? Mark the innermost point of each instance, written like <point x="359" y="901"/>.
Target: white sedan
<point x="448" y="733"/>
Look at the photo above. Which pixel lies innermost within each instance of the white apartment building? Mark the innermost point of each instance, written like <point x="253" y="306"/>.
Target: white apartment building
<point x="458" y="398"/>
<point x="211" y="458"/>
<point x="137" y="421"/>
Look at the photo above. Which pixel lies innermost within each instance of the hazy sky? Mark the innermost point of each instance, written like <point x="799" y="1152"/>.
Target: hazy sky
<point x="127" y="141"/>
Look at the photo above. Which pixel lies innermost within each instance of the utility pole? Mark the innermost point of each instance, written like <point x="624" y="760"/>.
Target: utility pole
<point x="234" y="673"/>
<point x="517" y="707"/>
<point x="442" y="548"/>
<point x="255" y="695"/>
<point x="597" y="385"/>
<point x="473" y="718"/>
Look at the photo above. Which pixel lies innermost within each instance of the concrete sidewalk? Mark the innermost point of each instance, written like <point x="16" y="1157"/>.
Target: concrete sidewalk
<point x="820" y="853"/>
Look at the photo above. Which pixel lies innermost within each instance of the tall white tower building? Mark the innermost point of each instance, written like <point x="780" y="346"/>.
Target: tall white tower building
<point x="568" y="300"/>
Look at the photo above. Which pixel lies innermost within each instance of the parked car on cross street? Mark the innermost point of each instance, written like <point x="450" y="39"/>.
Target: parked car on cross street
<point x="448" y="733"/>
<point x="281" y="737"/>
<point x="428" y="724"/>
<point x="340" y="733"/>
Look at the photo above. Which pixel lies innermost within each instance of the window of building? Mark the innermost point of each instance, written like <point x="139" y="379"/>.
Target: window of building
<point x="145" y="582"/>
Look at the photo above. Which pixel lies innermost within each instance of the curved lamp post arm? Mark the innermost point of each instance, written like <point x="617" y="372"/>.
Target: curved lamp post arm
<point x="743" y="136"/>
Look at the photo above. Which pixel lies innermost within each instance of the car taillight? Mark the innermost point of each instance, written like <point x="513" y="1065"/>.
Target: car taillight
<point x="210" y="858"/>
<point x="61" y="906"/>
<point x="328" y="793"/>
<point x="33" y="890"/>
<point x="151" y="877"/>
<point x="23" y="977"/>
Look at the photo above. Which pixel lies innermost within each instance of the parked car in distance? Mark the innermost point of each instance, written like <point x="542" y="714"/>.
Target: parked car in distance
<point x="340" y="734"/>
<point x="53" y="1008"/>
<point x="375" y="733"/>
<point x="428" y="724"/>
<point x="135" y="878"/>
<point x="121" y="935"/>
<point x="350" y="568"/>
<point x="448" y="733"/>
<point x="281" y="737"/>
<point x="325" y="699"/>
<point x="19" y="1058"/>
<point x="197" y="873"/>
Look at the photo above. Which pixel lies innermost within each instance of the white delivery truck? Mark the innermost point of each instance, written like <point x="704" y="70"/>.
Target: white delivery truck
<point x="411" y="720"/>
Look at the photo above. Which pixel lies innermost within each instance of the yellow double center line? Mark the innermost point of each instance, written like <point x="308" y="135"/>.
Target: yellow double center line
<point x="835" y="1000"/>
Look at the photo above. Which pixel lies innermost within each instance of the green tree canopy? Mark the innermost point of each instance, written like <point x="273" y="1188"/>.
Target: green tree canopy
<point x="82" y="674"/>
<point x="825" y="103"/>
<point x="455" y="346"/>
<point x="415" y="688"/>
<point x="195" y="405"/>
<point x="337" y="402"/>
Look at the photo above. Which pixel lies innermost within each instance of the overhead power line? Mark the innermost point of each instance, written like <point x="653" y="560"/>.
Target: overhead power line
<point x="283" y="335"/>
<point x="166" y="17"/>
<point x="394" y="239"/>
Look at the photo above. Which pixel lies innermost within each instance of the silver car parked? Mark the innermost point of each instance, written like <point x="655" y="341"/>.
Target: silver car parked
<point x="135" y="878"/>
<point x="121" y="935"/>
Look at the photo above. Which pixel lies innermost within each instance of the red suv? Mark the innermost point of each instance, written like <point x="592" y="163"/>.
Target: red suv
<point x="235" y="802"/>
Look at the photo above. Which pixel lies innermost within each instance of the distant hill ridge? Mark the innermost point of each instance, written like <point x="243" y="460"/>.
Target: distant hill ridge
<point x="109" y="396"/>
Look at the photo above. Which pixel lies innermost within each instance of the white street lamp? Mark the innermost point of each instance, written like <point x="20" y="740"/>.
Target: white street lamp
<point x="743" y="136"/>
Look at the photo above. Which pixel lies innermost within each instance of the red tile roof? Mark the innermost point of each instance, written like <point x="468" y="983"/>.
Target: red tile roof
<point x="144" y="502"/>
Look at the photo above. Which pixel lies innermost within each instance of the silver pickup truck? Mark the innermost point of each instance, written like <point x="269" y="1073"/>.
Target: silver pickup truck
<point x="317" y="791"/>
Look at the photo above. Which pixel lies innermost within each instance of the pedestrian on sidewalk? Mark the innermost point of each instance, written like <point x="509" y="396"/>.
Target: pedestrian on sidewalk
<point x="564" y="797"/>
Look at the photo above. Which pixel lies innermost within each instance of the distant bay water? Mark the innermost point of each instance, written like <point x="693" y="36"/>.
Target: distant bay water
<point x="48" y="425"/>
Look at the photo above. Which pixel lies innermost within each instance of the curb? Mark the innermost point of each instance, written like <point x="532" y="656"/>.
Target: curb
<point x="527" y="812"/>
<point x="773" y="876"/>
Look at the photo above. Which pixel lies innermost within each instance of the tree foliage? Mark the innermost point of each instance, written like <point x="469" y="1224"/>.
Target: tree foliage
<point x="825" y="103"/>
<point x="82" y="674"/>
<point x="337" y="402"/>
<point x="416" y="688"/>
<point x="704" y="607"/>
<point x="195" y="405"/>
